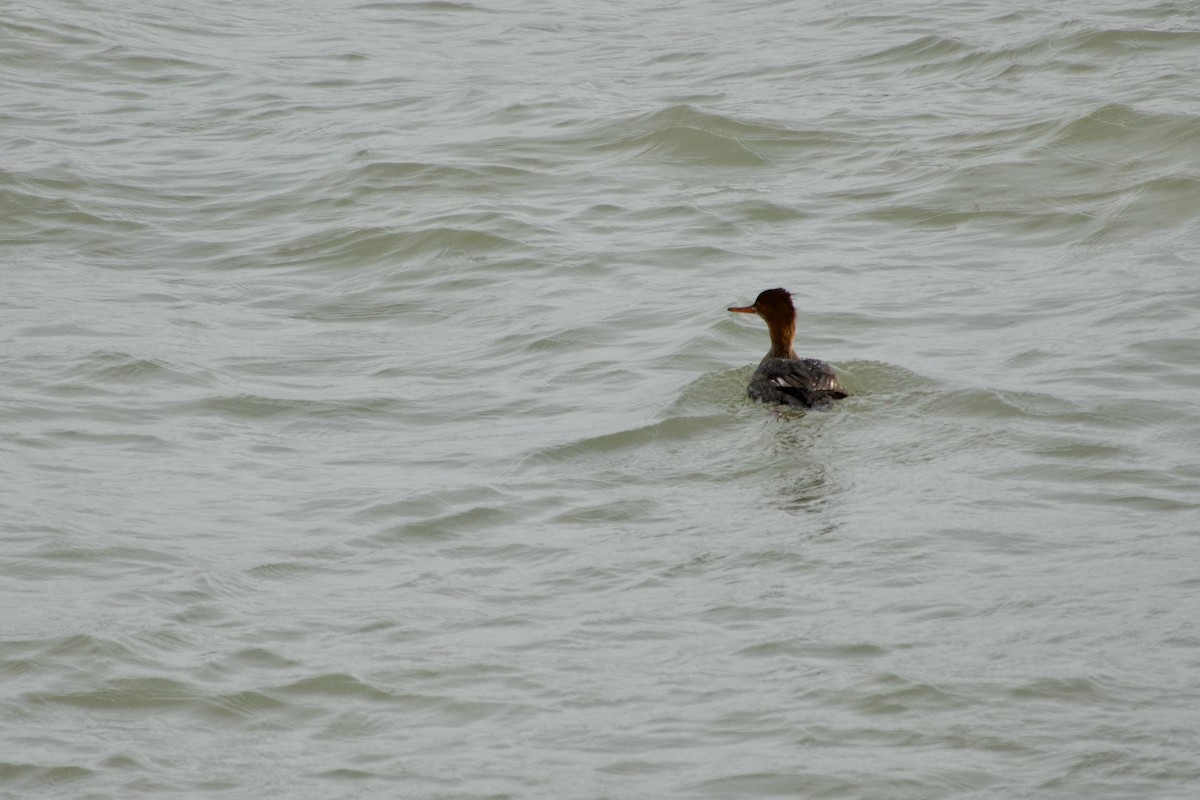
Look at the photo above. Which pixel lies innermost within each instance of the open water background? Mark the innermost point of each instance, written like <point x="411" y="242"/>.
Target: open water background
<point x="372" y="425"/>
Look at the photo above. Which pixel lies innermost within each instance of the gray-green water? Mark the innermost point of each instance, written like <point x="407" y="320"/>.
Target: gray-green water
<point x="373" y="426"/>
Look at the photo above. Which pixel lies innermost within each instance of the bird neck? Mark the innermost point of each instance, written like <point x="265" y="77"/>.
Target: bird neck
<point x="783" y="334"/>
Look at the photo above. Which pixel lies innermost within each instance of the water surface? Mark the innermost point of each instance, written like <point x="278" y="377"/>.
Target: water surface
<point x="373" y="425"/>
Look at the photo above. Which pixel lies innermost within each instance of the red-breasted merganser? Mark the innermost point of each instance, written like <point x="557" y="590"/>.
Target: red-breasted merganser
<point x="782" y="376"/>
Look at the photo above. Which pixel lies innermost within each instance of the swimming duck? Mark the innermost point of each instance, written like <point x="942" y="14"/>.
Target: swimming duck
<point x="782" y="376"/>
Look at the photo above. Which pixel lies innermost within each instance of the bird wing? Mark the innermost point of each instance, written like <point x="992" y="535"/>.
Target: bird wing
<point x="796" y="382"/>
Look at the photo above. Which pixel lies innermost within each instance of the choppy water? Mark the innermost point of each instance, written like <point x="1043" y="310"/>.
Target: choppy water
<point x="373" y="426"/>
